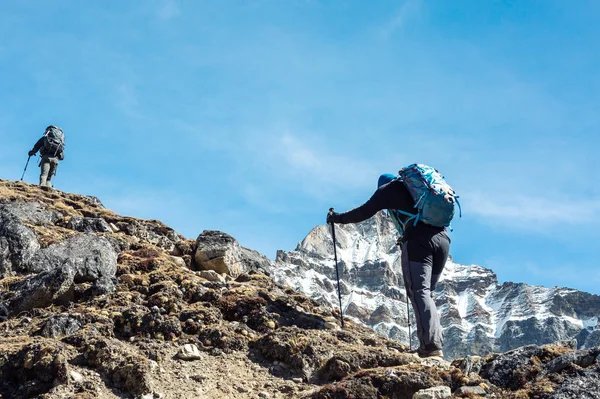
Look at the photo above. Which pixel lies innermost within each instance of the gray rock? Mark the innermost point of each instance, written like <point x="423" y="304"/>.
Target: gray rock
<point x="583" y="385"/>
<point x="32" y="212"/>
<point x="470" y="364"/>
<point x="95" y="201"/>
<point x="500" y="369"/>
<point x="60" y="326"/>
<point x="91" y="257"/>
<point x="222" y="253"/>
<point x="466" y="390"/>
<point x="45" y="289"/>
<point x="89" y="225"/>
<point x="440" y="392"/>
<point x="18" y="243"/>
<point x="583" y="358"/>
<point x="153" y="232"/>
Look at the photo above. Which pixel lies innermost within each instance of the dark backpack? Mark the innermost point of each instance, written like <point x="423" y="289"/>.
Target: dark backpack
<point x="54" y="140"/>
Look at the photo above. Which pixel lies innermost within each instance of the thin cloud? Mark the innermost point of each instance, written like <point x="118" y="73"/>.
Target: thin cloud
<point x="399" y="18"/>
<point x="532" y="212"/>
<point x="168" y="10"/>
<point x="319" y="169"/>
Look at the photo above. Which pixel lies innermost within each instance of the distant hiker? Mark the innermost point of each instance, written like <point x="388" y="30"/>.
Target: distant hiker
<point x="51" y="147"/>
<point x="421" y="205"/>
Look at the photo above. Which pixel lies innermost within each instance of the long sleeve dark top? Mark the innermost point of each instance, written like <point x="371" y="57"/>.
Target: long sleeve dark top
<point x="393" y="195"/>
<point x="39" y="146"/>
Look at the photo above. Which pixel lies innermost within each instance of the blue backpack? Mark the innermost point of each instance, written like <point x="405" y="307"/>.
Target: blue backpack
<point x="434" y="199"/>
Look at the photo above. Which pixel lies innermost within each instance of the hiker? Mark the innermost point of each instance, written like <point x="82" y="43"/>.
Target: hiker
<point x="51" y="147"/>
<point x="424" y="246"/>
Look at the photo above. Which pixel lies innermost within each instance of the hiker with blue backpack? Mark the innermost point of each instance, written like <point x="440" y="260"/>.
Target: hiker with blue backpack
<point x="421" y="205"/>
<point x="51" y="147"/>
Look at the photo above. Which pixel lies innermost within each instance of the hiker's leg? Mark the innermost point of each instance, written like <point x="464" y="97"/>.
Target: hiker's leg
<point x="420" y="265"/>
<point x="408" y="287"/>
<point x="441" y="248"/>
<point x="44" y="170"/>
<point x="52" y="170"/>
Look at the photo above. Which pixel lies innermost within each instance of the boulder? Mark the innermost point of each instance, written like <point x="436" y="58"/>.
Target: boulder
<point x="500" y="370"/>
<point x="60" y="326"/>
<point x="32" y="212"/>
<point x="92" y="259"/>
<point x="18" y="243"/>
<point x="47" y="288"/>
<point x="581" y="385"/>
<point x="222" y="253"/>
<point x="582" y="358"/>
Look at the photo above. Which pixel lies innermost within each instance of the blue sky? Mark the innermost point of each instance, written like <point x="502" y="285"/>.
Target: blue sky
<point x="254" y="117"/>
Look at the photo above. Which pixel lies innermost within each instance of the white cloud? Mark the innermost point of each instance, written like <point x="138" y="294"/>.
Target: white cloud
<point x="531" y="212"/>
<point x="168" y="10"/>
<point x="320" y="170"/>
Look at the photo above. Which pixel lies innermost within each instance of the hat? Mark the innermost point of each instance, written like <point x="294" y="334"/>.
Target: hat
<point x="385" y="179"/>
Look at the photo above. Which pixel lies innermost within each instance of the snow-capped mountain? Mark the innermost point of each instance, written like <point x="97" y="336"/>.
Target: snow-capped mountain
<point x="479" y="315"/>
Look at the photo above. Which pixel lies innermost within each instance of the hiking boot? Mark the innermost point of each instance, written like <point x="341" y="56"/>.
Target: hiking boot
<point x="433" y="353"/>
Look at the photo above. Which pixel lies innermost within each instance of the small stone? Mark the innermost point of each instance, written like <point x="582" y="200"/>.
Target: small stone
<point x="147" y="396"/>
<point x="155" y="309"/>
<point x="131" y="339"/>
<point x="198" y="378"/>
<point x="466" y="390"/>
<point x="113" y="227"/>
<point x="298" y="380"/>
<point x="75" y="376"/>
<point x="263" y="395"/>
<point x="189" y="352"/>
<point x="441" y="392"/>
<point x="270" y="324"/>
<point x="242" y="389"/>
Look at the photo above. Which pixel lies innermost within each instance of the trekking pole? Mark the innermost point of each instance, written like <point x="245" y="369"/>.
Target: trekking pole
<point x="399" y="243"/>
<point x="24" y="170"/>
<point x="408" y="320"/>
<point x="337" y="273"/>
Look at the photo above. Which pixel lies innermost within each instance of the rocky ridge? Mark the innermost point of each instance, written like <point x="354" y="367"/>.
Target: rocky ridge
<point x="98" y="305"/>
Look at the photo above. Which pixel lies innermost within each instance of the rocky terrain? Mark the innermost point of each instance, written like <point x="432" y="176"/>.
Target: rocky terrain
<point x="98" y="305"/>
<point x="479" y="315"/>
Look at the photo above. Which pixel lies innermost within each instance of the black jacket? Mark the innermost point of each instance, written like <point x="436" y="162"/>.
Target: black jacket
<point x="393" y="195"/>
<point x="39" y="146"/>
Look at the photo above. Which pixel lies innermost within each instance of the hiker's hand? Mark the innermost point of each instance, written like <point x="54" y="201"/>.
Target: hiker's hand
<point x="333" y="217"/>
<point x="31" y="153"/>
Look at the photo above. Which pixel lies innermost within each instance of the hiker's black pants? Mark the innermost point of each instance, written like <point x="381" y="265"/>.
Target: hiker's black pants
<point x="424" y="256"/>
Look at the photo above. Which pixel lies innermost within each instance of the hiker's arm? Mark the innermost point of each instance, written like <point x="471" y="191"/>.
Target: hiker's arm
<point x="384" y="198"/>
<point x="37" y="146"/>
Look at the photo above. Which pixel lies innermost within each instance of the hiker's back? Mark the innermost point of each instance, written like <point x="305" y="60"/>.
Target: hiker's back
<point x="54" y="142"/>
